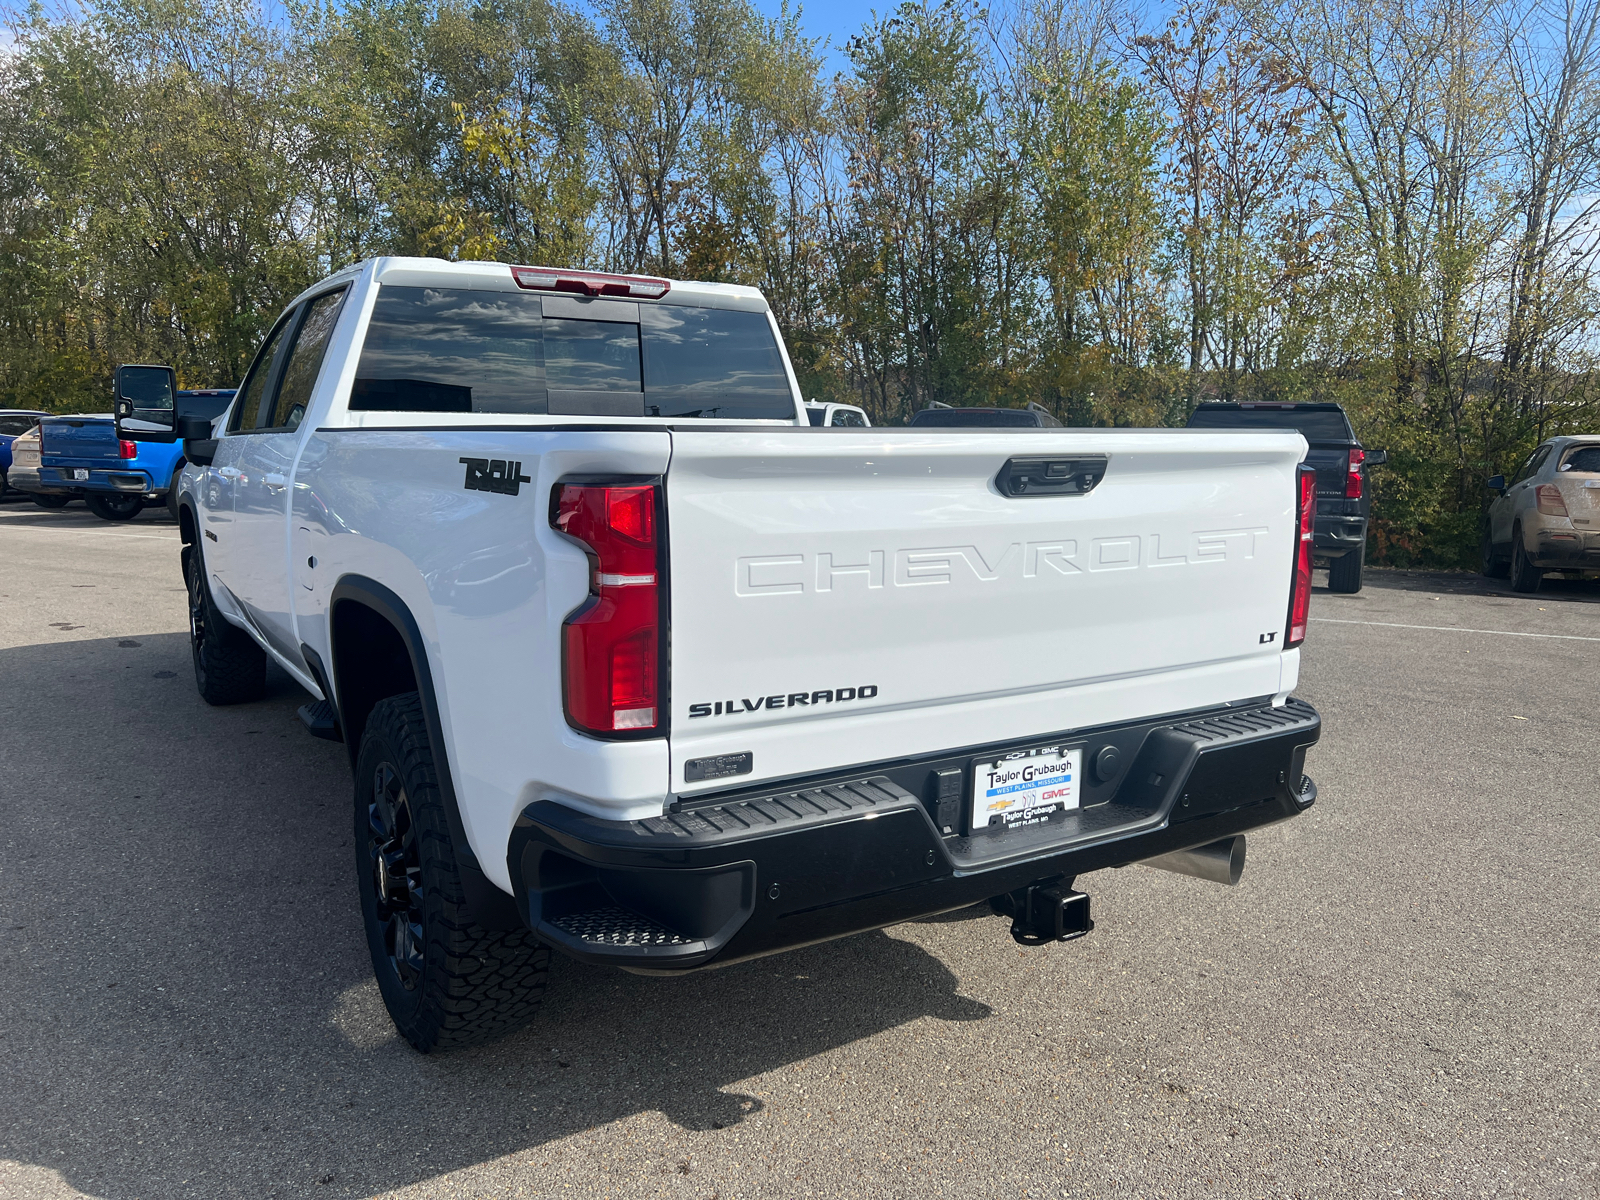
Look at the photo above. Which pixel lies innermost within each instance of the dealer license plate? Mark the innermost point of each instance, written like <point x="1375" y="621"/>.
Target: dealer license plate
<point x="79" y="473"/>
<point x="1026" y="789"/>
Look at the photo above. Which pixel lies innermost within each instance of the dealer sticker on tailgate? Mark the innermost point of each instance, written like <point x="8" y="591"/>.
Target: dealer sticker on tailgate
<point x="1025" y="789"/>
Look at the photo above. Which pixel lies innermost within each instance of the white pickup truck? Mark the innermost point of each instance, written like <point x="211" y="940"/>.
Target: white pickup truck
<point x="633" y="662"/>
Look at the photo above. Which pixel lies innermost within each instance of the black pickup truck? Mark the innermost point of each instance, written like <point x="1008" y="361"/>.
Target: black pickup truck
<point x="1344" y="501"/>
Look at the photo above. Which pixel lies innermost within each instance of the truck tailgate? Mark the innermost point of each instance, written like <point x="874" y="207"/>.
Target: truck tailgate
<point x="842" y="597"/>
<point x="1332" y="464"/>
<point x="78" y="441"/>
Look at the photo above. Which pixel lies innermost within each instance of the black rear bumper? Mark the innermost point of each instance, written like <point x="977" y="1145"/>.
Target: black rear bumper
<point x="1336" y="536"/>
<point x="754" y="872"/>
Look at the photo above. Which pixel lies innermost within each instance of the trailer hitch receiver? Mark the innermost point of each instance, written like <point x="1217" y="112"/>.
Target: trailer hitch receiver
<point x="1045" y="912"/>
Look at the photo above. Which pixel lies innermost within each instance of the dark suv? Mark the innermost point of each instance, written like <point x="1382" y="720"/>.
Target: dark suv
<point x="1344" y="501"/>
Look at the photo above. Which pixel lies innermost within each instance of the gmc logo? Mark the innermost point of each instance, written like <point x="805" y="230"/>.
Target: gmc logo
<point x="1050" y="559"/>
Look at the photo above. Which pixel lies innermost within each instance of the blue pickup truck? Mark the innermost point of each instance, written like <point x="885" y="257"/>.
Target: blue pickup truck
<point x="82" y="457"/>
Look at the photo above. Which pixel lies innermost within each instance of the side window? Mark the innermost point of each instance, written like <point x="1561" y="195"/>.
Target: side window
<point x="849" y="418"/>
<point x="247" y="411"/>
<point x="300" y="371"/>
<point x="1525" y="470"/>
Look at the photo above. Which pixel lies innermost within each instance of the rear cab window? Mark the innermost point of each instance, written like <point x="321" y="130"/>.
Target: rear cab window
<point x="463" y="350"/>
<point x="976" y="418"/>
<point x="1314" y="424"/>
<point x="205" y="405"/>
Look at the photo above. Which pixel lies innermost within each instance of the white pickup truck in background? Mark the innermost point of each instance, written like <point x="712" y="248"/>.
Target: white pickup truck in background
<point x="633" y="662"/>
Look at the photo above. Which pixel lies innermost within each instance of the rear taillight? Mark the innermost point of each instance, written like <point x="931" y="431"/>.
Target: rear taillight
<point x="611" y="660"/>
<point x="1300" y="587"/>
<point x="1352" y="479"/>
<point x="1548" y="498"/>
<point x="127" y="449"/>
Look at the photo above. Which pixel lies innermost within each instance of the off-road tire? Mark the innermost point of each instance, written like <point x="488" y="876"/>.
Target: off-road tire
<point x="1494" y="567"/>
<point x="112" y="507"/>
<point x="1344" y="573"/>
<point x="459" y="983"/>
<point x="1525" y="577"/>
<point x="47" y="501"/>
<point x="229" y="668"/>
<point x="172" y="494"/>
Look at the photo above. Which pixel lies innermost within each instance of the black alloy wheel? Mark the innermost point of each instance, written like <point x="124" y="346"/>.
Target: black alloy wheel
<point x="114" y="506"/>
<point x="395" y="859"/>
<point x="446" y="979"/>
<point x="229" y="668"/>
<point x="195" y="586"/>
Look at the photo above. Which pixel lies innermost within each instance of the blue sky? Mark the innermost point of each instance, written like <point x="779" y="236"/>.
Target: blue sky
<point x="838" y="20"/>
<point x="835" y="20"/>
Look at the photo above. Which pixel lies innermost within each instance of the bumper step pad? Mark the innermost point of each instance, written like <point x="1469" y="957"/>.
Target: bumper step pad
<point x="613" y="926"/>
<point x="746" y="818"/>
<point x="1249" y="723"/>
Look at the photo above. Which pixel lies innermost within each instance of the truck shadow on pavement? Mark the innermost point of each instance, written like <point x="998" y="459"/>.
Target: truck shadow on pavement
<point x="188" y="998"/>
<point x="1554" y="589"/>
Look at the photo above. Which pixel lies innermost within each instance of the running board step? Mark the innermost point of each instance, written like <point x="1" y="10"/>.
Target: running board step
<point x="320" y="721"/>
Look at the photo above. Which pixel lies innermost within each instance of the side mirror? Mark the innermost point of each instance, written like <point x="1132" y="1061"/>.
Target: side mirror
<point x="1376" y="458"/>
<point x="146" y="403"/>
<point x="199" y="444"/>
<point x="1496" y="483"/>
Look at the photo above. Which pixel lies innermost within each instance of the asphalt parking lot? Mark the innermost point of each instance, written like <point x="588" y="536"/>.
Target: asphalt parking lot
<point x="1401" y="998"/>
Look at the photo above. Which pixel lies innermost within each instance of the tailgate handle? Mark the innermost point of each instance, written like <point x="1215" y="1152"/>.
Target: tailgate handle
<point x="1051" y="476"/>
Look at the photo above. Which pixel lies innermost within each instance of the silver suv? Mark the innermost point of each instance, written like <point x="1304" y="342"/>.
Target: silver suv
<point x="1548" y="517"/>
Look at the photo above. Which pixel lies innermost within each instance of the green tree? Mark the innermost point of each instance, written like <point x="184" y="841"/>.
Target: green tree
<point x="931" y="191"/>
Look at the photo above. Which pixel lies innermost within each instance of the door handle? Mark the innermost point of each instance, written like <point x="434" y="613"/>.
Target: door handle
<point x="229" y="472"/>
<point x="275" y="481"/>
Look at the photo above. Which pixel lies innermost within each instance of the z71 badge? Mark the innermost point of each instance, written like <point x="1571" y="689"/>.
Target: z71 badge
<point x="494" y="475"/>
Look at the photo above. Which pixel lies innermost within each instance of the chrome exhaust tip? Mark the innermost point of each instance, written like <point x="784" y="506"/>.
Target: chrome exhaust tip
<point x="1220" y="862"/>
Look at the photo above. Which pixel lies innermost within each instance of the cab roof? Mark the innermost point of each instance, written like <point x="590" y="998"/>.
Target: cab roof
<point x="500" y="277"/>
